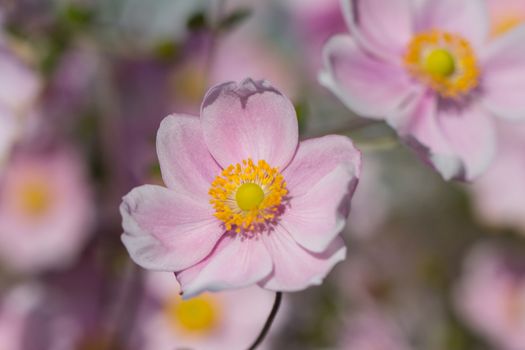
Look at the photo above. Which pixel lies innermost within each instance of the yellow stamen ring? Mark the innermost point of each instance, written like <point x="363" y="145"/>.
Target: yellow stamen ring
<point x="248" y="195"/>
<point x="444" y="61"/>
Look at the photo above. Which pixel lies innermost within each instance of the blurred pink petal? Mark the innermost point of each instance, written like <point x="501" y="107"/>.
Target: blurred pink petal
<point x="505" y="75"/>
<point x="372" y="87"/>
<point x="382" y="27"/>
<point x="490" y="296"/>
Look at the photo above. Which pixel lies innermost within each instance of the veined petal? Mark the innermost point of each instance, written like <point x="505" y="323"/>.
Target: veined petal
<point x="235" y="262"/>
<point x="165" y="230"/>
<point x="295" y="268"/>
<point x="321" y="180"/>
<point x="249" y="120"/>
<point x="185" y="162"/>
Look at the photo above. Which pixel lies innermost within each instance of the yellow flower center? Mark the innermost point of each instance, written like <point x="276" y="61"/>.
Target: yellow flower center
<point x="440" y="62"/>
<point x="188" y="83"/>
<point x="446" y="62"/>
<point x="248" y="195"/>
<point x="34" y="198"/>
<point x="505" y="24"/>
<point x="194" y="316"/>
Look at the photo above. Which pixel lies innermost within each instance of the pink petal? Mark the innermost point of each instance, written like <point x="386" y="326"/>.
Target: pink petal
<point x="468" y="18"/>
<point x="384" y="27"/>
<point x="470" y="132"/>
<point x="235" y="262"/>
<point x="321" y="179"/>
<point x="249" y="120"/>
<point x="457" y="140"/>
<point x="423" y="134"/>
<point x="369" y="86"/>
<point x="504" y="75"/>
<point x="185" y="161"/>
<point x="295" y="268"/>
<point x="19" y="85"/>
<point x="166" y="230"/>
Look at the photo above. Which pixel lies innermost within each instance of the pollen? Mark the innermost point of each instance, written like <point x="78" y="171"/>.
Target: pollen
<point x="197" y="315"/>
<point x="446" y="62"/>
<point x="247" y="196"/>
<point x="34" y="198"/>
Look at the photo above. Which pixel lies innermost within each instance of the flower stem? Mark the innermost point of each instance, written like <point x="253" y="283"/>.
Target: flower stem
<point x="269" y="321"/>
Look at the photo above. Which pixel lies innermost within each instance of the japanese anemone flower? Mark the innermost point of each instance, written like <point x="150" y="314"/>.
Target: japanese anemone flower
<point x="206" y="322"/>
<point x="245" y="203"/>
<point x="429" y="69"/>
<point x="46" y="210"/>
<point x="490" y="295"/>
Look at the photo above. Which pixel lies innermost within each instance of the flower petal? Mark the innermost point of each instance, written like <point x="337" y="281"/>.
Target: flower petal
<point x="470" y="133"/>
<point x="185" y="162"/>
<point x="321" y="179"/>
<point x="369" y="86"/>
<point x="295" y="268"/>
<point x="165" y="230"/>
<point x="469" y="18"/>
<point x="249" y="120"/>
<point x="423" y="134"/>
<point x="236" y="262"/>
<point x="458" y="141"/>
<point x="383" y="27"/>
<point x="504" y="75"/>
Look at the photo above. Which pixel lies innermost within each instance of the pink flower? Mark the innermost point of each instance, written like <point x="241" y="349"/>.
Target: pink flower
<point x="372" y="330"/>
<point x="490" y="296"/>
<point x="499" y="194"/>
<point x="45" y="211"/>
<point x="19" y="88"/>
<point x="206" y="322"/>
<point x="314" y="22"/>
<point x="505" y="15"/>
<point x="245" y="202"/>
<point x="15" y="308"/>
<point x="430" y="72"/>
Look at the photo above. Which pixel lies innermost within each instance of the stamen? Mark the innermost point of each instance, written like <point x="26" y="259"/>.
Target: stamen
<point x="246" y="196"/>
<point x="446" y="62"/>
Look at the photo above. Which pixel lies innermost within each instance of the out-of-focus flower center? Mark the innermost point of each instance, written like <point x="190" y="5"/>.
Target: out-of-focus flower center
<point x="248" y="195"/>
<point x="188" y="83"/>
<point x="34" y="198"/>
<point x="504" y="24"/>
<point x="446" y="62"/>
<point x="198" y="315"/>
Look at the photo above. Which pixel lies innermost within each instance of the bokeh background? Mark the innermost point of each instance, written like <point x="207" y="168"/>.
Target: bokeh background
<point x="84" y="84"/>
